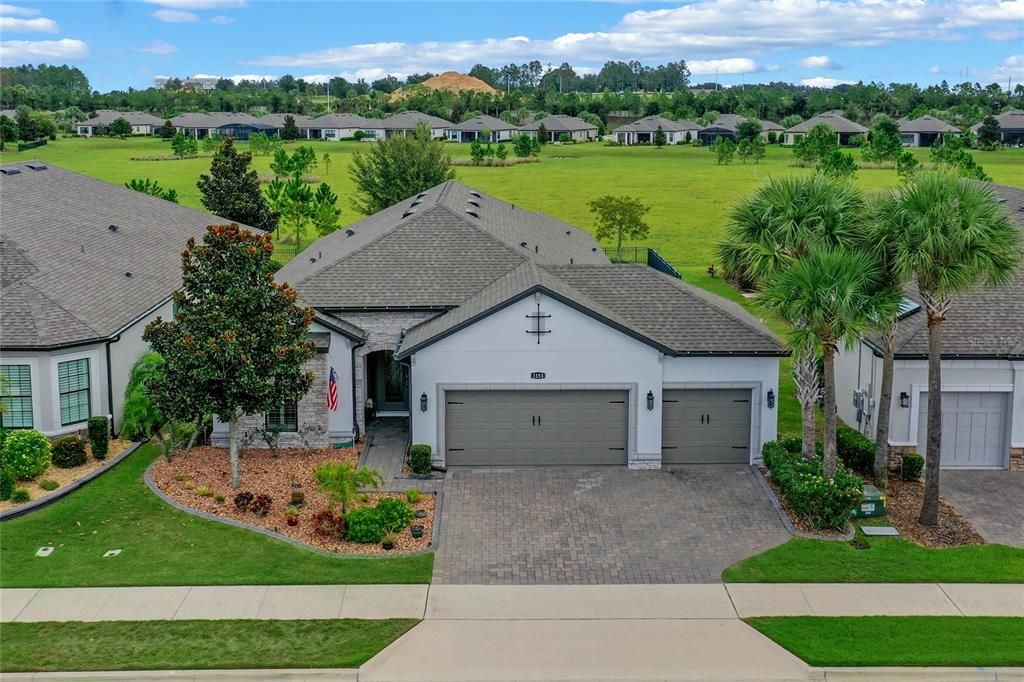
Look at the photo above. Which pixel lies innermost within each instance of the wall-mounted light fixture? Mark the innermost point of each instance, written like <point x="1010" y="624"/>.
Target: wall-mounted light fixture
<point x="423" y="402"/>
<point x="650" y="400"/>
<point x="904" y="399"/>
<point x="771" y="398"/>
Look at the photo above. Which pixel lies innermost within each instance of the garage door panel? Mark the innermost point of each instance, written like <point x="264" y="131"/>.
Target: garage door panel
<point x="706" y="426"/>
<point x="973" y="429"/>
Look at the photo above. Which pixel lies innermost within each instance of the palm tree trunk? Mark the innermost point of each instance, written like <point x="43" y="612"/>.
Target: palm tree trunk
<point x="805" y="375"/>
<point x="884" y="407"/>
<point x="236" y="476"/>
<point x="829" y="462"/>
<point x="930" y="504"/>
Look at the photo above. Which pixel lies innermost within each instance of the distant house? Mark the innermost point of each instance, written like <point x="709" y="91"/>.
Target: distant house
<point x="726" y="124"/>
<point x="142" y="123"/>
<point x="306" y="125"/>
<point x="923" y="131"/>
<point x="406" y="122"/>
<point x="844" y="128"/>
<point x="223" y="123"/>
<point x="1011" y="127"/>
<point x="86" y="266"/>
<point x="484" y="128"/>
<point x="642" y="131"/>
<point x="334" y="127"/>
<point x="558" y="125"/>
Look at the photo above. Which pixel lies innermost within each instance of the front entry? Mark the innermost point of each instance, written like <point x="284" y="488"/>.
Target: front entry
<point x="388" y="383"/>
<point x="706" y="426"/>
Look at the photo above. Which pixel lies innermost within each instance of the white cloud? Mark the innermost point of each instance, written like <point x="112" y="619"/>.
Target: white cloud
<point x="174" y="16"/>
<point x="1012" y="67"/>
<point x="1005" y="34"/>
<point x="823" y="82"/>
<point x="711" y="66"/>
<point x="21" y="51"/>
<point x="819" y="62"/>
<point x="200" y="4"/>
<point x="222" y="19"/>
<point x="20" y="11"/>
<point x="37" y="25"/>
<point x="936" y="69"/>
<point x="158" y="47"/>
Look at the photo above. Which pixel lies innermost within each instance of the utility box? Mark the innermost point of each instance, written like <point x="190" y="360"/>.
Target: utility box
<point x="871" y="505"/>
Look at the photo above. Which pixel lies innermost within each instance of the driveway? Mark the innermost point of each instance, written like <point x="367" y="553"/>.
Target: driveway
<point x="990" y="500"/>
<point x="600" y="526"/>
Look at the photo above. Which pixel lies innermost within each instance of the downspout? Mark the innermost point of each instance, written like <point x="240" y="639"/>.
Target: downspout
<point x="110" y="390"/>
<point x="355" y="415"/>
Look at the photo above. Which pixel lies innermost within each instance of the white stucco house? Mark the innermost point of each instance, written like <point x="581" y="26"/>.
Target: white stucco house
<point x="506" y="337"/>
<point x="484" y="128"/>
<point x="642" y="131"/>
<point x="982" y="375"/>
<point x="141" y="122"/>
<point x="86" y="266"/>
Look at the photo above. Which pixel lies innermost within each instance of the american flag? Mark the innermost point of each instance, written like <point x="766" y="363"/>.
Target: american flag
<point x="332" y="392"/>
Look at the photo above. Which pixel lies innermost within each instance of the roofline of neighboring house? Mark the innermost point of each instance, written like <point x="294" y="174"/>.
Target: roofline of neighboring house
<point x="384" y="308"/>
<point x="337" y="328"/>
<point x="879" y="352"/>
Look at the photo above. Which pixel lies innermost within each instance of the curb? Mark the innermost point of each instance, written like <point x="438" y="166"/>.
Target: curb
<point x="296" y="674"/>
<point x="847" y="535"/>
<point x="914" y="674"/>
<point x="52" y="497"/>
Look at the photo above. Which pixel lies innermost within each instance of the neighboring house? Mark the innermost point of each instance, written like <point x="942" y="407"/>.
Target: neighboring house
<point x="558" y="125"/>
<point x="142" y="123"/>
<point x="484" y="128"/>
<point x="224" y="123"/>
<point x="1011" y="127"/>
<point x="308" y="128"/>
<point x="335" y="127"/>
<point x="725" y="126"/>
<point x="642" y="130"/>
<point x="507" y="337"/>
<point x="405" y="123"/>
<point x="982" y="374"/>
<point x="845" y="128"/>
<point x="923" y="131"/>
<point x="86" y="265"/>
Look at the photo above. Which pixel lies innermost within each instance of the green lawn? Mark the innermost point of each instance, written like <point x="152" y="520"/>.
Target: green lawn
<point x="898" y="640"/>
<point x="886" y="560"/>
<point x="195" y="644"/>
<point x="164" y="546"/>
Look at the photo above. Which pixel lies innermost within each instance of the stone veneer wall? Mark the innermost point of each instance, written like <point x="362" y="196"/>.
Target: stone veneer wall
<point x="896" y="457"/>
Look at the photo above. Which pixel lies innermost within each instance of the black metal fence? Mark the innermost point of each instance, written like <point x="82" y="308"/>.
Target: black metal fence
<point x="22" y="146"/>
<point x="644" y="255"/>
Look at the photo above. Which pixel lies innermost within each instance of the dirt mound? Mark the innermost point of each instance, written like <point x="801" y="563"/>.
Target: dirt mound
<point x="449" y="80"/>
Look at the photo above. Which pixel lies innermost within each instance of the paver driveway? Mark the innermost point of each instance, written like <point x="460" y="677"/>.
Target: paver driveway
<point x="993" y="501"/>
<point x="600" y="526"/>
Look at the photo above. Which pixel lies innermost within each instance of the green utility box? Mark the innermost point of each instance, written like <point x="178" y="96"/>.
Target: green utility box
<point x="872" y="504"/>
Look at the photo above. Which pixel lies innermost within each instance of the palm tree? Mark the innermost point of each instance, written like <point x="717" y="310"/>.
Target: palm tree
<point x="778" y="226"/>
<point x="949" y="234"/>
<point x="830" y="297"/>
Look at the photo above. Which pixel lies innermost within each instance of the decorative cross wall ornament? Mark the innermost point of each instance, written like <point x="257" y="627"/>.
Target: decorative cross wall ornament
<point x="538" y="323"/>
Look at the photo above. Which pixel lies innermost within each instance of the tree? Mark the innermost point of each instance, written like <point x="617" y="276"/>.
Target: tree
<point x="829" y="297"/>
<point x="289" y="131"/>
<point x="953" y="155"/>
<point x="342" y="481"/>
<point x="476" y="152"/>
<point x="619" y="218"/>
<point x="501" y="151"/>
<point x="757" y="149"/>
<point x="238" y="341"/>
<point x="27" y="130"/>
<point x="819" y="142"/>
<point x="398" y="167"/>
<point x="8" y="131"/>
<point x="184" y="145"/>
<point x="749" y="129"/>
<point x="837" y="164"/>
<point x="521" y="146"/>
<point x="232" y="189"/>
<point x="660" y="139"/>
<point x="724" y="148"/>
<point x="281" y="165"/>
<point x="325" y="213"/>
<point x="211" y="143"/>
<point x="542" y="134"/>
<point x="166" y="131"/>
<point x="143" y="418"/>
<point x="743" y="150"/>
<point x="907" y="165"/>
<point x="949" y="234"/>
<point x="293" y="201"/>
<point x="989" y="133"/>
<point x="120" y="127"/>
<point x="326" y="160"/>
<point x="153" y="188"/>
<point x="884" y="143"/>
<point x="260" y="144"/>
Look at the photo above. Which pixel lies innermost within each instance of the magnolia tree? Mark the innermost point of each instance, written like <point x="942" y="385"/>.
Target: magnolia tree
<point x="238" y="340"/>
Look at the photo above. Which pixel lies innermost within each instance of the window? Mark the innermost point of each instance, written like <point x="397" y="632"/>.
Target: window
<point x="284" y="418"/>
<point x="16" y="389"/>
<point x="330" y="133"/>
<point x="73" y="383"/>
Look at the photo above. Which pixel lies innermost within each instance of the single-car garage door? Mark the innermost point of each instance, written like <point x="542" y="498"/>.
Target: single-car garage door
<point x="706" y="426"/>
<point x="536" y="428"/>
<point x="973" y="430"/>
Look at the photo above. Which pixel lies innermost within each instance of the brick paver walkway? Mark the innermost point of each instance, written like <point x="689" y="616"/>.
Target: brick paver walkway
<point x="993" y="501"/>
<point x="600" y="526"/>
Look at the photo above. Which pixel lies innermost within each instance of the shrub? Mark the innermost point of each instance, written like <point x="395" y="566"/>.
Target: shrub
<point x="69" y="452"/>
<point x="412" y="495"/>
<point x="26" y="454"/>
<point x="911" y="466"/>
<point x="99" y="436"/>
<point x="855" y="449"/>
<point x="204" y="491"/>
<point x="697" y="143"/>
<point x="823" y="502"/>
<point x="419" y="459"/>
<point x="49" y="484"/>
<point x="219" y="497"/>
<point x="342" y="481"/>
<point x="6" y="484"/>
<point x="243" y="500"/>
<point x="20" y="495"/>
<point x="190" y="485"/>
<point x="328" y="523"/>
<point x="364" y="526"/>
<point x="393" y="515"/>
<point x="179" y="477"/>
<point x="260" y="504"/>
<point x="792" y="444"/>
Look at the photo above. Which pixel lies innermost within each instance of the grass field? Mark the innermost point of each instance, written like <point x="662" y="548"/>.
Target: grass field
<point x="164" y="546"/>
<point x="195" y="644"/>
<point x="899" y="640"/>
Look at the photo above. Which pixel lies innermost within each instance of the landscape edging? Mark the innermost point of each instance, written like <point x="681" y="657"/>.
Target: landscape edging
<point x="773" y="499"/>
<point x="52" y="497"/>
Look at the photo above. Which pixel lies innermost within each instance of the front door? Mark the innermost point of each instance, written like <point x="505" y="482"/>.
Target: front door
<point x="392" y="383"/>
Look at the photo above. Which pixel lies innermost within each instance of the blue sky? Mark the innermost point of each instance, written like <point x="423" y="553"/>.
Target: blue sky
<point x="818" y="42"/>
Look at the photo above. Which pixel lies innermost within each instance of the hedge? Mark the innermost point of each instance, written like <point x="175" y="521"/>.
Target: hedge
<point x="825" y="503"/>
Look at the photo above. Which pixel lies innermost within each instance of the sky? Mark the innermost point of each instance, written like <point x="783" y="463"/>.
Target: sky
<point x="121" y="44"/>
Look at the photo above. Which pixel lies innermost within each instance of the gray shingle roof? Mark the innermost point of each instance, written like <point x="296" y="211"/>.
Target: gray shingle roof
<point x="730" y="121"/>
<point x="925" y="124"/>
<point x="342" y="121"/>
<point x="105" y="117"/>
<point x="649" y="124"/>
<point x="559" y="123"/>
<point x="485" y="122"/>
<point x="833" y="120"/>
<point x="219" y="119"/>
<point x="408" y="120"/>
<point x="63" y="268"/>
<point x="1008" y="120"/>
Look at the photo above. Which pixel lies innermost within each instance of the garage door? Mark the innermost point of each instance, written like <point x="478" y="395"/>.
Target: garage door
<point x="536" y="428"/>
<point x="706" y="426"/>
<point x="973" y="430"/>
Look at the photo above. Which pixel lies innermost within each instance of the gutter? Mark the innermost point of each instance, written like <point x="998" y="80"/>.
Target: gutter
<point x="110" y="391"/>
<point x="355" y="415"/>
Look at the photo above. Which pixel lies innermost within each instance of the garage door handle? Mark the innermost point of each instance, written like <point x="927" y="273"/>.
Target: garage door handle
<point x="702" y="419"/>
<point x="538" y="420"/>
<point x="456" y="449"/>
<point x="533" y="420"/>
<point x="616" y="448"/>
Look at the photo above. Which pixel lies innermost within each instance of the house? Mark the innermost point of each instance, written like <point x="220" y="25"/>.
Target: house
<point x="508" y="337"/>
<point x="223" y="123"/>
<point x="845" y="129"/>
<point x="405" y="123"/>
<point x="1011" y="127"/>
<point x="484" y="128"/>
<point x="725" y="126"/>
<point x="923" y="131"/>
<point x="982" y="374"/>
<point x="642" y="130"/>
<point x="142" y="123"/>
<point x="86" y="266"/>
<point x="335" y="127"/>
<point x="307" y="126"/>
<point x="557" y="125"/>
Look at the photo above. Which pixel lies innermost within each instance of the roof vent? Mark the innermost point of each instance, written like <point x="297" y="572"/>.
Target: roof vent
<point x="594" y="249"/>
<point x="408" y="212"/>
<point x="522" y="244"/>
<point x="472" y="202"/>
<point x="350" y="232"/>
<point x="422" y="194"/>
<point x="9" y="170"/>
<point x="474" y="193"/>
<point x="36" y="166"/>
<point x="112" y="227"/>
<point x="472" y="213"/>
<point x="569" y="232"/>
<point x="312" y="259"/>
<point x="128" y="275"/>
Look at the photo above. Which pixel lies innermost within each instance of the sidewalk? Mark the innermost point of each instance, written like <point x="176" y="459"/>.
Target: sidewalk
<point x="511" y="603"/>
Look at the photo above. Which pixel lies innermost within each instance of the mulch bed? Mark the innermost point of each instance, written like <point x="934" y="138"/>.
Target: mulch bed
<point x="903" y="505"/>
<point x="182" y="477"/>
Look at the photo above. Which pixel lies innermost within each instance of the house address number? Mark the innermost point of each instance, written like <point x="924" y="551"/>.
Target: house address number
<point x="537" y="375"/>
